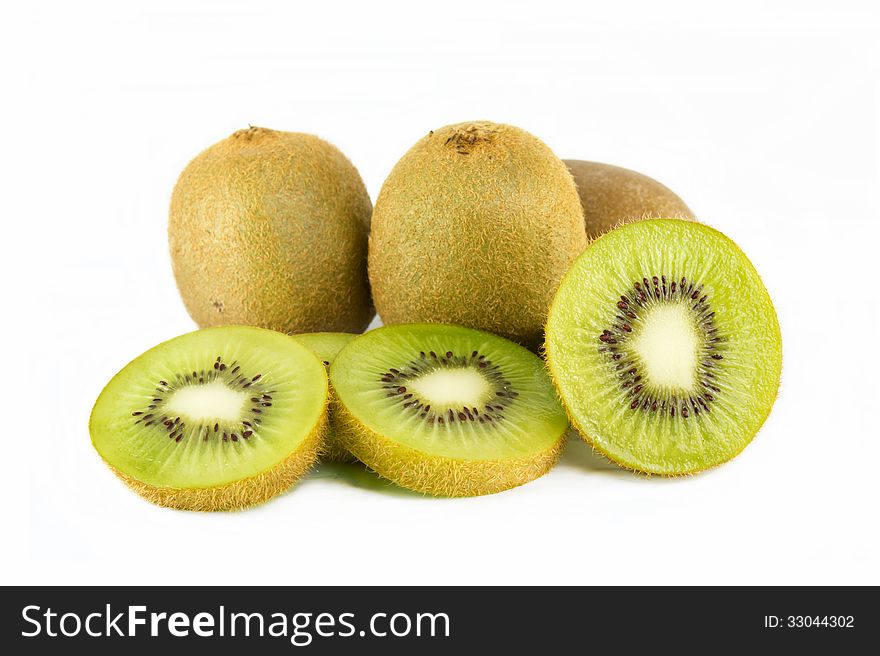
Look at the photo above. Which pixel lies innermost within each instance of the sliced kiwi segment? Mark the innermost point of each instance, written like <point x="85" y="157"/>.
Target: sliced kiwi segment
<point x="447" y="410"/>
<point x="216" y="419"/>
<point x="326" y="346"/>
<point x="665" y="347"/>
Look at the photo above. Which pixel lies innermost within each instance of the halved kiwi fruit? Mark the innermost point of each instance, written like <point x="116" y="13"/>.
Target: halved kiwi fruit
<point x="326" y="346"/>
<point x="216" y="419"/>
<point x="447" y="410"/>
<point x="665" y="347"/>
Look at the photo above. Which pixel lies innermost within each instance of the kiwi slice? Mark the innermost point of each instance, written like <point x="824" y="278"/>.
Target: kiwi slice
<point x="326" y="346"/>
<point x="447" y="410"/>
<point x="216" y="419"/>
<point x="665" y="347"/>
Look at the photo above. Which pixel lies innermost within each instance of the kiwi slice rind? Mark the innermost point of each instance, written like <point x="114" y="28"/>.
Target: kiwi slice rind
<point x="216" y="419"/>
<point x="665" y="347"/>
<point x="447" y="410"/>
<point x="326" y="346"/>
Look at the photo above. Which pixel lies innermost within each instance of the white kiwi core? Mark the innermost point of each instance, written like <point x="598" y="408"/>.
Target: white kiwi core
<point x="211" y="401"/>
<point x="668" y="345"/>
<point x="452" y="387"/>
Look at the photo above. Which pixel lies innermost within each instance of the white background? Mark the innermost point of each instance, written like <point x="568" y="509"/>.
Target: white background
<point x="763" y="116"/>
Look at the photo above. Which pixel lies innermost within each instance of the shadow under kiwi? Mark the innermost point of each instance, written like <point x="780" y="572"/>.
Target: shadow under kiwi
<point x="356" y="474"/>
<point x="580" y="455"/>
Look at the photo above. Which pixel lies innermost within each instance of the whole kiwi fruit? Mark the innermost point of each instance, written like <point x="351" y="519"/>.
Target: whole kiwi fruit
<point x="475" y="226"/>
<point x="269" y="229"/>
<point x="612" y="196"/>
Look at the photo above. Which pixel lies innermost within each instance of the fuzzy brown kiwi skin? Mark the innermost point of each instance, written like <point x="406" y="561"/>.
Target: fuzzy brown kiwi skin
<point x="269" y="229"/>
<point x="240" y="494"/>
<point x="439" y="476"/>
<point x="475" y="226"/>
<point x="612" y="196"/>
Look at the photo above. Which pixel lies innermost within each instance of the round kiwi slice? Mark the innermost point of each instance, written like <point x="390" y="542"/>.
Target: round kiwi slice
<point x="447" y="410"/>
<point x="326" y="346"/>
<point x="216" y="419"/>
<point x="665" y="347"/>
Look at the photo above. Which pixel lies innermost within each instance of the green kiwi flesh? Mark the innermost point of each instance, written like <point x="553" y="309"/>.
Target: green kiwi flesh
<point x="665" y="347"/>
<point x="326" y="346"/>
<point x="216" y="419"/>
<point x="447" y="410"/>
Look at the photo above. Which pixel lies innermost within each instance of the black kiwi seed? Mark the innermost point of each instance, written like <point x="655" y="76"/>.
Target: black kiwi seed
<point x="391" y="379"/>
<point x="177" y="431"/>
<point x="613" y="341"/>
